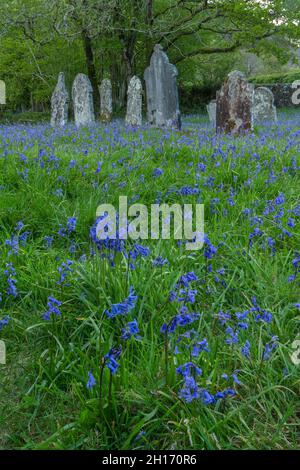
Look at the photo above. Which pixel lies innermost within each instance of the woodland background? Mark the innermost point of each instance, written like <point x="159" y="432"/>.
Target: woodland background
<point x="114" y="38"/>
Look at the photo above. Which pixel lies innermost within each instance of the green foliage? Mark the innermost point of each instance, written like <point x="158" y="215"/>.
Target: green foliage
<point x="30" y="70"/>
<point x="283" y="77"/>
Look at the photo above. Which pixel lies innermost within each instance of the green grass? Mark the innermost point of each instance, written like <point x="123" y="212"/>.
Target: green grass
<point x="44" y="402"/>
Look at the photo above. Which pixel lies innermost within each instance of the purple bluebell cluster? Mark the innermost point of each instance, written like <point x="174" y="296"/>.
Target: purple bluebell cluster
<point x="4" y="322"/>
<point x="130" y="330"/>
<point x="10" y="274"/>
<point x="111" y="358"/>
<point x="63" y="270"/>
<point x="124" y="307"/>
<point x="53" y="308"/>
<point x="91" y="381"/>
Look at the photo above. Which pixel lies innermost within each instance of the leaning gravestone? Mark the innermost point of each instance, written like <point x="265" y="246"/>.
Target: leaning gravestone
<point x="161" y="90"/>
<point x="212" y="111"/>
<point x="134" y="102"/>
<point x="82" y="96"/>
<point x="59" y="103"/>
<point x="264" y="109"/>
<point x="105" y="90"/>
<point x="235" y="104"/>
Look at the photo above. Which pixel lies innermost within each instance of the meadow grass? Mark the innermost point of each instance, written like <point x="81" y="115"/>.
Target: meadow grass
<point x="250" y="188"/>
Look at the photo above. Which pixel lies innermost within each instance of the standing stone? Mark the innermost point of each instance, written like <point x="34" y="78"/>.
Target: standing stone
<point x="162" y="93"/>
<point x="134" y="102"/>
<point x="212" y="111"/>
<point x="82" y="95"/>
<point x="2" y="92"/>
<point x="235" y="104"/>
<point x="264" y="108"/>
<point x="105" y="90"/>
<point x="59" y="103"/>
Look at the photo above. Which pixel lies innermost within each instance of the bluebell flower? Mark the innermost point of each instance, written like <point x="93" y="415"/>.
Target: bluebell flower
<point x="270" y="347"/>
<point x="122" y="308"/>
<point x="23" y="238"/>
<point x="198" y="347"/>
<point x="209" y="249"/>
<point x="223" y="317"/>
<point x="13" y="243"/>
<point x="256" y="233"/>
<point x="264" y="316"/>
<point x="232" y="337"/>
<point x="139" y="250"/>
<point x="71" y="224"/>
<point x="245" y="350"/>
<point x="111" y="359"/>
<point x="182" y="319"/>
<point x="201" y="167"/>
<point x="187" y="369"/>
<point x="99" y="167"/>
<point x="61" y="231"/>
<point x="172" y="296"/>
<point x="242" y="315"/>
<point x="220" y="395"/>
<point x="63" y="270"/>
<point x="53" y="308"/>
<point x="235" y="379"/>
<point x="4" y="322"/>
<point x="229" y="392"/>
<point x="291" y="222"/>
<point x="157" y="172"/>
<point x="188" y="190"/>
<point x="185" y="279"/>
<point x="188" y="296"/>
<point x="159" y="261"/>
<point x="206" y="397"/>
<point x="48" y="241"/>
<point x="190" y="390"/>
<point x="10" y="273"/>
<point x="19" y="226"/>
<point x="91" y="381"/>
<point x="130" y="329"/>
<point x="280" y="199"/>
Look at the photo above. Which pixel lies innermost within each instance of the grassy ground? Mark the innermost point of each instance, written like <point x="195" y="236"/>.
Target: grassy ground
<point x="249" y="270"/>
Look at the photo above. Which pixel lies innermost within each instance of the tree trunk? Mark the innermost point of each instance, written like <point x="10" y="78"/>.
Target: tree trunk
<point x="118" y="78"/>
<point x="149" y="22"/>
<point x="89" y="57"/>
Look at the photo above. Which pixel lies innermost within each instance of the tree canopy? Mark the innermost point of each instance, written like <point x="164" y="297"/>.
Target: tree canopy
<point x="115" y="38"/>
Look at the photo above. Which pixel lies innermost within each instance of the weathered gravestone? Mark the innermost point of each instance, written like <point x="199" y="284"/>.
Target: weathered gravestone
<point x="212" y="111"/>
<point x="2" y="92"/>
<point x="235" y="104"/>
<point x="134" y="102"/>
<point x="2" y="352"/>
<point x="105" y="90"/>
<point x="59" y="103"/>
<point x="264" y="109"/>
<point x="161" y="90"/>
<point x="82" y="96"/>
